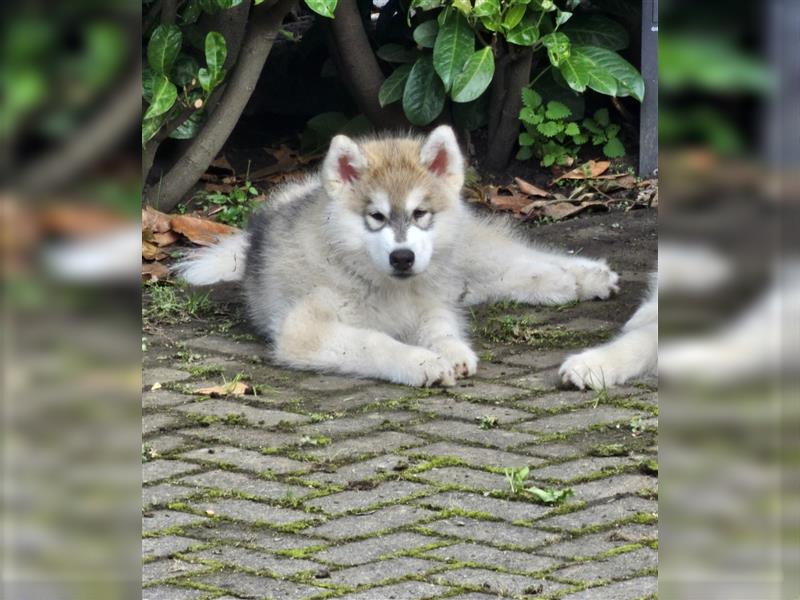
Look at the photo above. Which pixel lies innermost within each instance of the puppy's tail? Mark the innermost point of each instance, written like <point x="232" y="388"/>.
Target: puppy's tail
<point x="224" y="261"/>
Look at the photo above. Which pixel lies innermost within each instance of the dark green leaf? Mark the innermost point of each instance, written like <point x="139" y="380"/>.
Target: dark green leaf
<point x="147" y="83"/>
<point x="525" y="153"/>
<point x="216" y="52"/>
<point x="614" y="148"/>
<point x="395" y="53"/>
<point x="612" y="130"/>
<point x="392" y="88"/>
<point x="454" y="45"/>
<point x="557" y="111"/>
<point x="602" y="117"/>
<point x="550" y="128"/>
<point x="191" y="12"/>
<point x="513" y="16"/>
<point x="185" y="70"/>
<point x="426" y="4"/>
<point x="465" y="6"/>
<point x="526" y="33"/>
<point x="545" y="5"/>
<point x="562" y="16"/>
<point x="150" y="128"/>
<point x="424" y="95"/>
<point x="164" y="95"/>
<point x="575" y="70"/>
<point x="322" y="7"/>
<point x="486" y="8"/>
<point x="558" y="46"/>
<point x="526" y="139"/>
<point x="528" y="115"/>
<point x="572" y="129"/>
<point x="596" y="30"/>
<point x="475" y="78"/>
<point x="472" y="115"/>
<point x="163" y="48"/>
<point x="189" y="128"/>
<point x="425" y="33"/>
<point x="530" y="98"/>
<point x="629" y="80"/>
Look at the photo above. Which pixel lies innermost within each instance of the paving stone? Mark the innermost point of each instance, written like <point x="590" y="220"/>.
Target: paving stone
<point x="597" y="543"/>
<point x="622" y="590"/>
<point x="472" y="596"/>
<point x="151" y="423"/>
<point x="363" y="470"/>
<point x="331" y="383"/>
<point x="228" y="481"/>
<point x="163" y="375"/>
<point x="506" y="584"/>
<point x="546" y="381"/>
<point x="510" y="560"/>
<point x="582" y="467"/>
<point x="358" y="424"/>
<point x="602" y="513"/>
<point x="278" y="565"/>
<point x="382" y="519"/>
<point x="470" y="411"/>
<point x="579" y="419"/>
<point x="464" y="477"/>
<point x="164" y="493"/>
<point x="221" y="345"/>
<point x="171" y="592"/>
<point x="478" y="457"/>
<point x="157" y="470"/>
<point x="253" y="586"/>
<point x="267" y="539"/>
<point x="536" y="360"/>
<point x="616" y="567"/>
<point x="496" y="370"/>
<point x="502" y="509"/>
<point x="554" y="450"/>
<point x="163" y="398"/>
<point x="248" y="460"/>
<point x="471" y="432"/>
<point x="167" y="545"/>
<point x="253" y="512"/>
<point x="479" y="390"/>
<point x="559" y="401"/>
<point x="166" y="443"/>
<point x="162" y="519"/>
<point x="260" y="416"/>
<point x="613" y="486"/>
<point x="343" y="402"/>
<point x="383" y="441"/>
<point x="492" y="532"/>
<point x="241" y="436"/>
<point x="357" y="553"/>
<point x="168" y="569"/>
<point x="388" y="491"/>
<point x="408" y="590"/>
<point x="371" y="574"/>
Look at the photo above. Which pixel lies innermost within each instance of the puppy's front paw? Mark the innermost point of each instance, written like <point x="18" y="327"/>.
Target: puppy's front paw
<point x="429" y="369"/>
<point x="591" y="369"/>
<point x="463" y="360"/>
<point x="595" y="279"/>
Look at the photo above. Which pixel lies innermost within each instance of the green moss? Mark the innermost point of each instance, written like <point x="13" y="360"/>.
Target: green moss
<point x="609" y="450"/>
<point x="206" y="371"/>
<point x="512" y="329"/>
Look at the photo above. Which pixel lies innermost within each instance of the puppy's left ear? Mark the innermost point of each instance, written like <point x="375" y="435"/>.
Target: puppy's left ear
<point x="441" y="155"/>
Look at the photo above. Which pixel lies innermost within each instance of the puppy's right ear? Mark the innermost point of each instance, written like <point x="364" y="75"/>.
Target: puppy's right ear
<point x="344" y="165"/>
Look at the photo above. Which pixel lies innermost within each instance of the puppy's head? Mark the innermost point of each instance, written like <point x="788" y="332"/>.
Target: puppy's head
<point x="397" y="198"/>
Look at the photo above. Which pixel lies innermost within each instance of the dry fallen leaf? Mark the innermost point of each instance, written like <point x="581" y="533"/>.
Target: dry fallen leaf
<point x="150" y="251"/>
<point x="588" y="170"/>
<point x="201" y="231"/>
<point x="154" y="271"/>
<point x="234" y="388"/>
<point x="562" y="210"/>
<point x="164" y="239"/>
<point x="529" y="188"/>
<point x="514" y="203"/>
<point x="78" y="219"/>
<point x="155" y="220"/>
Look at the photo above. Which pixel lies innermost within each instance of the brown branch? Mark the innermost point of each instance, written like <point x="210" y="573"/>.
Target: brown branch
<point x="359" y="68"/>
<point x="169" y="12"/>
<point x="517" y="76"/>
<point x="261" y="33"/>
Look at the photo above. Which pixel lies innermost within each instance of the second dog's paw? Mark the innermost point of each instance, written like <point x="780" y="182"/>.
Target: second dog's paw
<point x="595" y="279"/>
<point x="463" y="360"/>
<point x="431" y="369"/>
<point x="590" y="369"/>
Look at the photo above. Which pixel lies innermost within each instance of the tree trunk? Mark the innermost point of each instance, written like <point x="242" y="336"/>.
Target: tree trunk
<point x="262" y="31"/>
<point x="359" y="68"/>
<point x="503" y="135"/>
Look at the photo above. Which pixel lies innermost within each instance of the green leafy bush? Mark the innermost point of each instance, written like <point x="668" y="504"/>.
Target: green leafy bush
<point x="554" y="136"/>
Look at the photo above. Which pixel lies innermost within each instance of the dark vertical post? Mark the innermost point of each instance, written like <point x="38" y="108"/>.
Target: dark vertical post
<point x="648" y="122"/>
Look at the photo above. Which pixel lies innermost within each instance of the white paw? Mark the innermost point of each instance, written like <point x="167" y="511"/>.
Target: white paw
<point x="463" y="360"/>
<point x="429" y="369"/>
<point x="595" y="278"/>
<point x="594" y="369"/>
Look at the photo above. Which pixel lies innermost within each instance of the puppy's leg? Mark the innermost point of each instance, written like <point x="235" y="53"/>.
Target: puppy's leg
<point x="312" y="338"/>
<point x="633" y="354"/>
<point x="440" y="330"/>
<point x="499" y="267"/>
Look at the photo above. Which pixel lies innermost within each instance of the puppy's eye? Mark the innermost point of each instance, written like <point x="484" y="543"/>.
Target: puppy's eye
<point x="419" y="213"/>
<point x="377" y="216"/>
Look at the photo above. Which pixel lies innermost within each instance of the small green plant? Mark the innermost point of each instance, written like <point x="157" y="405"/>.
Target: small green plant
<point x="234" y="206"/>
<point x="148" y="453"/>
<point x="636" y="426"/>
<point x="516" y="479"/>
<point x="169" y="304"/>
<point x="316" y="440"/>
<point x="552" y="135"/>
<point x="487" y="422"/>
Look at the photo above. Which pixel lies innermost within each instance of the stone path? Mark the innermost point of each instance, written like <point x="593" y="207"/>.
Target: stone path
<point x="321" y="486"/>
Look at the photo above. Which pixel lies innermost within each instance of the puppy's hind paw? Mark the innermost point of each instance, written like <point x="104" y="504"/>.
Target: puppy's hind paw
<point x="589" y="369"/>
<point x="595" y="279"/>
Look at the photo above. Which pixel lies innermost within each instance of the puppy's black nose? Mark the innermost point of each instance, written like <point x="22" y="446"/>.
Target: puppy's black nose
<point x="402" y="260"/>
